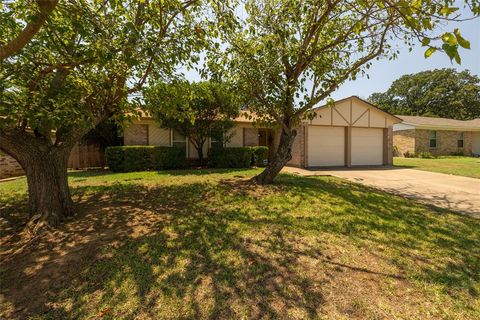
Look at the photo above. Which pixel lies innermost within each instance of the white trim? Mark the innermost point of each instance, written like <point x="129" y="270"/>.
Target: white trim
<point x="441" y="127"/>
<point x="402" y="126"/>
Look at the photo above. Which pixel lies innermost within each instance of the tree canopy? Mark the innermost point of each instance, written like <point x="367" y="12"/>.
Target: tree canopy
<point x="79" y="70"/>
<point x="198" y="110"/>
<point x="14" y="38"/>
<point x="444" y="93"/>
<point x="290" y="55"/>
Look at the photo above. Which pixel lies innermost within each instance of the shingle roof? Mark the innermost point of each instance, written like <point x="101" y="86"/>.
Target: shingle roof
<point x="244" y="116"/>
<point x="440" y="122"/>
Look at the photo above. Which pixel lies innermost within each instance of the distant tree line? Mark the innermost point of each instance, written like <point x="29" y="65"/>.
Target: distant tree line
<point x="444" y="93"/>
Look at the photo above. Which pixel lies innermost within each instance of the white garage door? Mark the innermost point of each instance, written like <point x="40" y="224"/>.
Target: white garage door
<point x="326" y="146"/>
<point x="367" y="146"/>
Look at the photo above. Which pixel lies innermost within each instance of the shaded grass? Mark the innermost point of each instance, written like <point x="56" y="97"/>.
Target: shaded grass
<point x="184" y="245"/>
<point x="460" y="166"/>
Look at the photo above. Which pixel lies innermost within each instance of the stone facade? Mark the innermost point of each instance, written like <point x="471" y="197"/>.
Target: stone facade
<point x="298" y="148"/>
<point x="446" y="142"/>
<point x="418" y="140"/>
<point x="389" y="147"/>
<point x="9" y="167"/>
<point x="403" y="141"/>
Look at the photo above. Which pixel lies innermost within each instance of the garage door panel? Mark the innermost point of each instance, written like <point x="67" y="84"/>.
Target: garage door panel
<point x="326" y="146"/>
<point x="367" y="146"/>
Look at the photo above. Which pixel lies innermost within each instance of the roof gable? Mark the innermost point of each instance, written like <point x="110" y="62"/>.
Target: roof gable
<point x="354" y="112"/>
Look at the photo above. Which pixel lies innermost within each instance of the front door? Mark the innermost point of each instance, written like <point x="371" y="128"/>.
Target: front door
<point x="262" y="137"/>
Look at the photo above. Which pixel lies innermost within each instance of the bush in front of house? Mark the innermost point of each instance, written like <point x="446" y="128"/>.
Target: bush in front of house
<point x="458" y="153"/>
<point x="168" y="158"/>
<point x="425" y="155"/>
<point x="409" y="154"/>
<point x="396" y="152"/>
<point x="141" y="158"/>
<point x="239" y="157"/>
<point x="259" y="156"/>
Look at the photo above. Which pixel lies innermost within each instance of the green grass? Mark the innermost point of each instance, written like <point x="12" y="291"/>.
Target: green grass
<point x="209" y="244"/>
<point x="460" y="166"/>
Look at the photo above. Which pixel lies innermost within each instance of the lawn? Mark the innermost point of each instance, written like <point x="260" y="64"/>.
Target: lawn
<point x="460" y="166"/>
<point x="209" y="244"/>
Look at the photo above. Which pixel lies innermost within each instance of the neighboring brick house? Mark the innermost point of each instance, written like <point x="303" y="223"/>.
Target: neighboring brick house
<point x="439" y="136"/>
<point x="352" y="132"/>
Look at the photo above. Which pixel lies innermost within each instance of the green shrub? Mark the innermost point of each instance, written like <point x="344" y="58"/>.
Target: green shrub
<point x="396" y="152"/>
<point x="230" y="157"/>
<point x="168" y="158"/>
<point x="259" y="156"/>
<point x="141" y="158"/>
<point x="458" y="153"/>
<point x="409" y="154"/>
<point x="425" y="155"/>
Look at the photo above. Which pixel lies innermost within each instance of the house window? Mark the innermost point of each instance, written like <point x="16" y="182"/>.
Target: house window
<point x="460" y="140"/>
<point x="178" y="140"/>
<point x="433" y="139"/>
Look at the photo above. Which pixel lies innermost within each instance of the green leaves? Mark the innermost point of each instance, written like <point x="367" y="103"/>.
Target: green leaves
<point x="452" y="52"/>
<point x="444" y="93"/>
<point x="446" y="11"/>
<point x="429" y="52"/>
<point x="461" y="41"/>
<point x="449" y="39"/>
<point x="357" y="27"/>
<point x="451" y="43"/>
<point x="425" y="41"/>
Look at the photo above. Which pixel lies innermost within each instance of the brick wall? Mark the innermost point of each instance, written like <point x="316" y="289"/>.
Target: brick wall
<point x="389" y="146"/>
<point x="446" y="142"/>
<point x="9" y="167"/>
<point x="298" y="149"/>
<point x="404" y="141"/>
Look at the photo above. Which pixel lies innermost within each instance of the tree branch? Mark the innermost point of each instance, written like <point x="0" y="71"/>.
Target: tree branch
<point x="45" y="7"/>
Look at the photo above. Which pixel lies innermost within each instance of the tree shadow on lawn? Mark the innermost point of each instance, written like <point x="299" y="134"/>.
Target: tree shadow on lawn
<point x="227" y="250"/>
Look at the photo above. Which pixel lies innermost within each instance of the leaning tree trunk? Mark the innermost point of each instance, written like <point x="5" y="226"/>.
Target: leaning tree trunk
<point x="49" y="196"/>
<point x="282" y="155"/>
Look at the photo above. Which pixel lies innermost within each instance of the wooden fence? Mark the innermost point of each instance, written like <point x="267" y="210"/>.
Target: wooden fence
<point x="81" y="157"/>
<point x="86" y="156"/>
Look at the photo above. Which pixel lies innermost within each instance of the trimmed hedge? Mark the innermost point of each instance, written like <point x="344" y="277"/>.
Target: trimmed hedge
<point x="141" y="158"/>
<point x="240" y="157"/>
<point x="168" y="158"/>
<point x="260" y="156"/>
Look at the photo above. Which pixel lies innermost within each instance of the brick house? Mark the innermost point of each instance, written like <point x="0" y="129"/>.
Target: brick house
<point x="352" y="132"/>
<point x="439" y="136"/>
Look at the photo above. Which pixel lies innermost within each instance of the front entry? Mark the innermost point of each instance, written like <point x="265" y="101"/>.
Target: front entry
<point x="263" y="137"/>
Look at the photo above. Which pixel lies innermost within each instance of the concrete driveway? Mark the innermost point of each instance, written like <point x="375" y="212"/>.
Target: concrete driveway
<point x="456" y="193"/>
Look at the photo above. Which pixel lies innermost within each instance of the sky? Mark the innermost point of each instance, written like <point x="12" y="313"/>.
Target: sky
<point x="384" y="72"/>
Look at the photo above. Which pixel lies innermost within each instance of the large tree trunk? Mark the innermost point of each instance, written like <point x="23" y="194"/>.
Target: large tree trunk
<point x="282" y="155"/>
<point x="45" y="165"/>
<point x="49" y="196"/>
